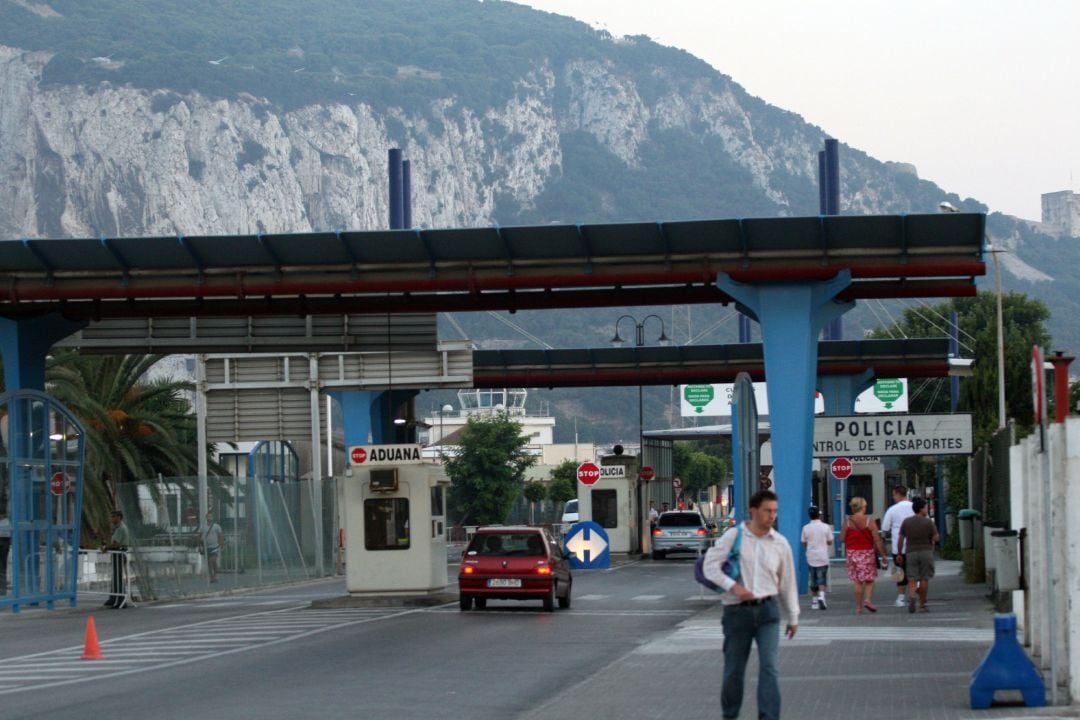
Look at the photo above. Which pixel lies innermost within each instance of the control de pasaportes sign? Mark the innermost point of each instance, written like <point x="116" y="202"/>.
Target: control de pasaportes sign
<point x="945" y="434"/>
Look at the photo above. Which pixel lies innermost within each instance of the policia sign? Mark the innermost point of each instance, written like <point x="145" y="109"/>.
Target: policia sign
<point x="948" y="434"/>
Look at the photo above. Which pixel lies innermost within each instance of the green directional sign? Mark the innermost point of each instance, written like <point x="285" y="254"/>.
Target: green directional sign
<point x="699" y="396"/>
<point x="888" y="390"/>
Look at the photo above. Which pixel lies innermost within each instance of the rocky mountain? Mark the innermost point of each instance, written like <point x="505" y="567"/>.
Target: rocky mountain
<point x="125" y="117"/>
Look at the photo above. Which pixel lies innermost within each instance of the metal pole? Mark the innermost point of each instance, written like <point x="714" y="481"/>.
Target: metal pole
<point x="641" y="463"/>
<point x="1000" y="345"/>
<point x="200" y="437"/>
<point x="315" y="489"/>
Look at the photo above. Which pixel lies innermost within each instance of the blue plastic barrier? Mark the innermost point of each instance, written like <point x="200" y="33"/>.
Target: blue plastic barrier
<point x="1006" y="667"/>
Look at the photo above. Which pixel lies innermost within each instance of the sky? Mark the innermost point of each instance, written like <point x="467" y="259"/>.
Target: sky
<point x="982" y="97"/>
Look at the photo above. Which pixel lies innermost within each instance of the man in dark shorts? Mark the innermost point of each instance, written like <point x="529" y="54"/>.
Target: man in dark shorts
<point x="919" y="535"/>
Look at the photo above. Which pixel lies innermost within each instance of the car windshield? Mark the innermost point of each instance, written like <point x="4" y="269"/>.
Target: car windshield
<point x="680" y="519"/>
<point x="508" y="545"/>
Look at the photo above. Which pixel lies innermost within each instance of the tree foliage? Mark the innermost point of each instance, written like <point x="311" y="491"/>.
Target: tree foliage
<point x="135" y="429"/>
<point x="535" y="491"/>
<point x="563" y="485"/>
<point x="1023" y="324"/>
<point x="700" y="465"/>
<point x="487" y="475"/>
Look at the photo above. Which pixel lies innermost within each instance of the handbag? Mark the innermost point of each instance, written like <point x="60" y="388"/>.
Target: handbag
<point x="730" y="566"/>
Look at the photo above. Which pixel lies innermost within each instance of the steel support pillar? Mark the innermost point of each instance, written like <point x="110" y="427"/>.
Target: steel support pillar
<point x="25" y="343"/>
<point x="791" y="316"/>
<point x="369" y="416"/>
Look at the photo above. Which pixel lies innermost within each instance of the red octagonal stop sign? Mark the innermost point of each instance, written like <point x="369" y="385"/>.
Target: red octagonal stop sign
<point x="358" y="455"/>
<point x="841" y="468"/>
<point x="588" y="473"/>
<point x="646" y="473"/>
<point x="56" y="483"/>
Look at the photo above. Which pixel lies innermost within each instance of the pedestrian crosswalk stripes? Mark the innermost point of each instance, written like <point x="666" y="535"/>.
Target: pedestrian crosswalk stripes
<point x="818" y="633"/>
<point x="169" y="647"/>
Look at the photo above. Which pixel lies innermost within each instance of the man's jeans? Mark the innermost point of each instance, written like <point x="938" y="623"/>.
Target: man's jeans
<point x="743" y="625"/>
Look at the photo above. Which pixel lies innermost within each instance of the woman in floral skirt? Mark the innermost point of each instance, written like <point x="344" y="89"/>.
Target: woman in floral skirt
<point x="863" y="542"/>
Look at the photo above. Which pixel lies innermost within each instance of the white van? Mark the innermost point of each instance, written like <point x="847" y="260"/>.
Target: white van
<point x="570" y="512"/>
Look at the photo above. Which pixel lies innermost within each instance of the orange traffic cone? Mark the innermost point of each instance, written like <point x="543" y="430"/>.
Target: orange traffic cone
<point x="92" y="650"/>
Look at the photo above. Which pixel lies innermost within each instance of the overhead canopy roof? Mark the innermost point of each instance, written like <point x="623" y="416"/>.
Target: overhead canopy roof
<point x="485" y="268"/>
<point x="927" y="357"/>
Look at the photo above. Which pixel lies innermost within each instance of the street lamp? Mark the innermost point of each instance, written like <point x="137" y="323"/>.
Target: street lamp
<point x="1000" y="337"/>
<point x="447" y="408"/>
<point x="948" y="207"/>
<point x="639" y="340"/>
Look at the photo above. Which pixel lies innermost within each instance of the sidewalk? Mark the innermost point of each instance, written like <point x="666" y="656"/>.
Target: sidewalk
<point x="889" y="665"/>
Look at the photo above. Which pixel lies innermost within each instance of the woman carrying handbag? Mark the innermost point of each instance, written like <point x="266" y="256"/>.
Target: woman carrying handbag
<point x="863" y="543"/>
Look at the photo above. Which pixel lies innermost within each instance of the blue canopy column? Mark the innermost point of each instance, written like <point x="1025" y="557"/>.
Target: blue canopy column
<point x="791" y="316"/>
<point x="369" y="416"/>
<point x="840" y="392"/>
<point x="24" y="344"/>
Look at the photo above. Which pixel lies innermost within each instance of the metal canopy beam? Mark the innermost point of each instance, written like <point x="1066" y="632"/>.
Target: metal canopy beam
<point x="927" y="357"/>
<point x="485" y="268"/>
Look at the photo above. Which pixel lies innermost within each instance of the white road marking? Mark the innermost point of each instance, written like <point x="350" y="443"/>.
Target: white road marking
<point x="647" y="598"/>
<point x="715" y="633"/>
<point x="588" y="598"/>
<point x="180" y="645"/>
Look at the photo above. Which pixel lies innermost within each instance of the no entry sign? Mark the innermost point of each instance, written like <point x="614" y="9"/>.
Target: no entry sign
<point x="841" y="468"/>
<point x="588" y="473"/>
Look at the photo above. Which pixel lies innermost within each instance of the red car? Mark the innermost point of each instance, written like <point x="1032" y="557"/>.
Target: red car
<point x="514" y="563"/>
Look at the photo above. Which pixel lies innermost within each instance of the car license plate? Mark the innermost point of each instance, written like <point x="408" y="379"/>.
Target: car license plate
<point x="681" y="534"/>
<point x="504" y="583"/>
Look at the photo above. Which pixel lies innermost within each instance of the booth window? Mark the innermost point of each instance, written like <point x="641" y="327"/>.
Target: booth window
<point x="386" y="524"/>
<point x="605" y="508"/>
<point x="861" y="486"/>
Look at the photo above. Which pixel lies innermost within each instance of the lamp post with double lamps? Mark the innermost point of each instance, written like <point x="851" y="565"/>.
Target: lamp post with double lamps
<point x="948" y="207"/>
<point x="639" y="341"/>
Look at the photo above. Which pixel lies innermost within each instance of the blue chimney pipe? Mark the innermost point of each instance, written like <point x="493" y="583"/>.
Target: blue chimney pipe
<point x="397" y="220"/>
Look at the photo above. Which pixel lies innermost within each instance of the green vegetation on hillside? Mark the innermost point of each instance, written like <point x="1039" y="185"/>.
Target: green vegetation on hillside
<point x="386" y="53"/>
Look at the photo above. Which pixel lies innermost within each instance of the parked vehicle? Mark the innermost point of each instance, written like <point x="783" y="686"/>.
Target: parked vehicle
<point x="682" y="531"/>
<point x="570" y="512"/>
<point x="514" y="563"/>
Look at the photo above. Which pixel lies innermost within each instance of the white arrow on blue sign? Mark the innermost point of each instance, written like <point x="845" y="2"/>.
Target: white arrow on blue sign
<point x="589" y="546"/>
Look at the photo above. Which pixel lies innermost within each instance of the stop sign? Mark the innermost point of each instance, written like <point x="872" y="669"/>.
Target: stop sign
<point x="841" y="468"/>
<point x="358" y="455"/>
<point x="56" y="483"/>
<point x="646" y="473"/>
<point x="588" y="473"/>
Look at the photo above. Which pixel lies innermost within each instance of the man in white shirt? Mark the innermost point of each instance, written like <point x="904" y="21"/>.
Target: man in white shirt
<point x="764" y="588"/>
<point x="817" y="537"/>
<point x="895" y="516"/>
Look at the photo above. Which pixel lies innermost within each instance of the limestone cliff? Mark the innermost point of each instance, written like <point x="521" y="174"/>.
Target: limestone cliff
<point x="118" y="160"/>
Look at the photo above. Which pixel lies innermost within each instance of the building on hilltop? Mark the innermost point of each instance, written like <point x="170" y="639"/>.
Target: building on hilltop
<point x="1061" y="212"/>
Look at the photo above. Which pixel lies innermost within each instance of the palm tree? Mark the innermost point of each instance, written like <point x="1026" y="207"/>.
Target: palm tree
<point x="135" y="429"/>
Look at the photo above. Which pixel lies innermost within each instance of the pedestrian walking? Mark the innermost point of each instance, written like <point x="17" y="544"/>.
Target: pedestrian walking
<point x="863" y="543"/>
<point x="119" y="542"/>
<point x="897" y="513"/>
<point x="5" y="548"/>
<point x="817" y="538"/>
<point x="759" y="595"/>
<point x="919" y="535"/>
<point x="212" y="537"/>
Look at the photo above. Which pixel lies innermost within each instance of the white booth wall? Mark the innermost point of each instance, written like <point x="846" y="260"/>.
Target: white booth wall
<point x="622" y="505"/>
<point x="395" y="541"/>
